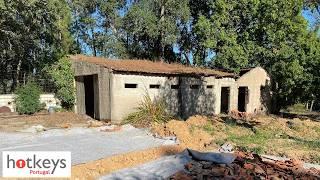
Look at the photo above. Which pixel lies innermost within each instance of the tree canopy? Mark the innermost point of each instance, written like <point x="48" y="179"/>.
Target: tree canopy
<point x="224" y="34"/>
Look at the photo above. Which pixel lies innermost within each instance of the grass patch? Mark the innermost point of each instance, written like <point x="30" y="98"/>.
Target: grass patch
<point x="317" y="129"/>
<point x="259" y="138"/>
<point x="315" y="158"/>
<point x="297" y="108"/>
<point x="309" y="144"/>
<point x="208" y="128"/>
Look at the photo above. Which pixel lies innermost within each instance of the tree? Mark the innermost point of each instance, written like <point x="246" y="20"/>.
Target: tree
<point x="153" y="28"/>
<point x="63" y="76"/>
<point x="248" y="33"/>
<point x="33" y="33"/>
<point x="96" y="27"/>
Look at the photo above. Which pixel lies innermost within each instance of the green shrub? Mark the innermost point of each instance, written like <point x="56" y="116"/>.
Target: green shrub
<point x="63" y="76"/>
<point x="297" y="108"/>
<point x="28" y="98"/>
<point x="148" y="112"/>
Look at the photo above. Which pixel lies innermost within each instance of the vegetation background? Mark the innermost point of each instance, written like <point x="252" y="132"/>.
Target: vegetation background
<point x="280" y="36"/>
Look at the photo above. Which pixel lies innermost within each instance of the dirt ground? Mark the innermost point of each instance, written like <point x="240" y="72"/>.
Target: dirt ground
<point x="292" y="138"/>
<point x="271" y="134"/>
<point x="12" y="123"/>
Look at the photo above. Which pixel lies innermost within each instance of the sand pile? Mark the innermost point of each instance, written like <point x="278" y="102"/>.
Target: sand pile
<point x="187" y="135"/>
<point x="197" y="121"/>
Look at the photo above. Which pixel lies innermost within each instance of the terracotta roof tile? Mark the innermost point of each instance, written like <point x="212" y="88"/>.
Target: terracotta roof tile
<point x="146" y="66"/>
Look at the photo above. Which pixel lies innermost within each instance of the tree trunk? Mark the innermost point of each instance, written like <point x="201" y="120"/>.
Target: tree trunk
<point x="187" y="58"/>
<point x="18" y="71"/>
<point x="94" y="48"/>
<point x="311" y="106"/>
<point x="161" y="48"/>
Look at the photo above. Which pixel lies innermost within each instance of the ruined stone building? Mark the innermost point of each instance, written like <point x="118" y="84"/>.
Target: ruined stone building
<point x="111" y="89"/>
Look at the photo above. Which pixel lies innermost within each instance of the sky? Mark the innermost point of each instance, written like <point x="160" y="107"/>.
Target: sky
<point x="309" y="17"/>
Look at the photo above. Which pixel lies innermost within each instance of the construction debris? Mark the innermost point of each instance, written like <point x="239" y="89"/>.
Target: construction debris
<point x="111" y="128"/>
<point x="34" y="129"/>
<point x="95" y="123"/>
<point x="246" y="166"/>
<point x="219" y="158"/>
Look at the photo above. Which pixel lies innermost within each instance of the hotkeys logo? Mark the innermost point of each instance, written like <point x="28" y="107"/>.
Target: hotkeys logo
<point x="36" y="164"/>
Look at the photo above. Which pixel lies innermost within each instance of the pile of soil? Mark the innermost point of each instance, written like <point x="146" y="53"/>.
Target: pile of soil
<point x="246" y="166"/>
<point x="187" y="135"/>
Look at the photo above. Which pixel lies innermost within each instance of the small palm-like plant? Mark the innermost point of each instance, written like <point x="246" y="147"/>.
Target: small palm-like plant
<point x="148" y="112"/>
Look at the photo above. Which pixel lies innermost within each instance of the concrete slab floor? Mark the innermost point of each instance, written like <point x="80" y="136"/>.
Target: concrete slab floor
<point x="85" y="144"/>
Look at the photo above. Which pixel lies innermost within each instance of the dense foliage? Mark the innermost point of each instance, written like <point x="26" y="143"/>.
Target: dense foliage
<point x="33" y="33"/>
<point x="228" y="34"/>
<point x="28" y="98"/>
<point x="63" y="76"/>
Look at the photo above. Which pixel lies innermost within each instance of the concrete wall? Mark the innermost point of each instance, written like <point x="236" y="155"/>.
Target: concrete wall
<point x="101" y="81"/>
<point x="233" y="99"/>
<point x="189" y="101"/>
<point x="114" y="101"/>
<point x="48" y="99"/>
<point x="125" y="100"/>
<point x="256" y="80"/>
<point x="200" y="100"/>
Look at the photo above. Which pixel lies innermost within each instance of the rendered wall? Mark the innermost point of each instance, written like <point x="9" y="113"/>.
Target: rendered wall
<point x="115" y="102"/>
<point x="258" y="83"/>
<point x="233" y="99"/>
<point x="48" y="99"/>
<point x="200" y="100"/>
<point x="189" y="101"/>
<point x="125" y="100"/>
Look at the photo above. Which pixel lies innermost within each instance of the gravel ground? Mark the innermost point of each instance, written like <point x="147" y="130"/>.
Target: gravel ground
<point x="81" y="142"/>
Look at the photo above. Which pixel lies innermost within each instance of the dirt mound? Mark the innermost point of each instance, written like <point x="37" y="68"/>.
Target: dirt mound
<point x="197" y="120"/>
<point x="187" y="135"/>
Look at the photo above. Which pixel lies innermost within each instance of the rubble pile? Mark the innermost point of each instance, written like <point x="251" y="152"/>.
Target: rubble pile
<point x="247" y="166"/>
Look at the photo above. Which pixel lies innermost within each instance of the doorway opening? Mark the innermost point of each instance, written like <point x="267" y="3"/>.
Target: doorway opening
<point x="243" y="98"/>
<point x="225" y="99"/>
<point x="89" y="95"/>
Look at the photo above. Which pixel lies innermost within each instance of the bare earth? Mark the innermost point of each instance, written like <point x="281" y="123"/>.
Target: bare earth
<point x="295" y="138"/>
<point x="58" y="120"/>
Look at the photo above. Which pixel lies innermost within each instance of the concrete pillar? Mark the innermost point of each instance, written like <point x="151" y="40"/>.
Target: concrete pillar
<point x="96" y="97"/>
<point x="80" y="95"/>
<point x="103" y="93"/>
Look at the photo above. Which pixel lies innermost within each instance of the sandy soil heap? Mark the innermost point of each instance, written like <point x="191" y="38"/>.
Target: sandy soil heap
<point x="187" y="135"/>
